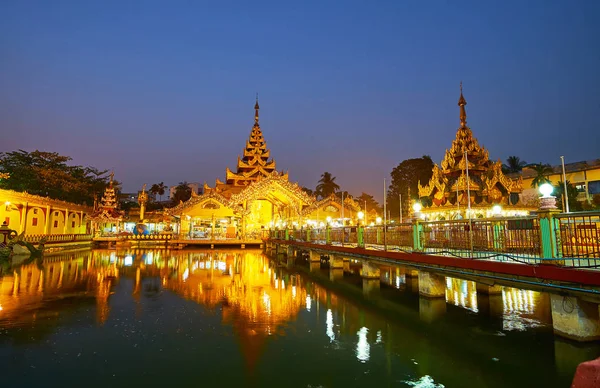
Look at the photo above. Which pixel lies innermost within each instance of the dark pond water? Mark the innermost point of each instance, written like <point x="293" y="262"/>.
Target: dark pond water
<point x="234" y="318"/>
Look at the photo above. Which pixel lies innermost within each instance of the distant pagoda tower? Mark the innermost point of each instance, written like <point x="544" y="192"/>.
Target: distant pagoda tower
<point x="107" y="213"/>
<point x="255" y="161"/>
<point x="447" y="194"/>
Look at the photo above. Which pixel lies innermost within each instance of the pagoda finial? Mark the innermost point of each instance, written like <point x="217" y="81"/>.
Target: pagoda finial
<point x="256" y="108"/>
<point x="461" y="103"/>
<point x="112" y="177"/>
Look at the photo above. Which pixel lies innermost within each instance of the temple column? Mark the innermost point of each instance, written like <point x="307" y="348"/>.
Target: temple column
<point x="22" y="225"/>
<point x="432" y="285"/>
<point x="65" y="226"/>
<point x="48" y="220"/>
<point x="575" y="318"/>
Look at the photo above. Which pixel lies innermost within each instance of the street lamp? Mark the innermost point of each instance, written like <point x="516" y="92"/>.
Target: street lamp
<point x="360" y="216"/>
<point x="328" y="219"/>
<point x="378" y="220"/>
<point x="496" y="210"/>
<point x="417" y="209"/>
<point x="547" y="200"/>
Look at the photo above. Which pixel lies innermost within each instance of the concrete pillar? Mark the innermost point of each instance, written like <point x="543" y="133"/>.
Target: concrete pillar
<point x="411" y="273"/>
<point x="432" y="285"/>
<point x="490" y="304"/>
<point x="291" y="261"/>
<point x="346" y="265"/>
<point x="412" y="284"/>
<point x="314" y="256"/>
<point x="487" y="289"/>
<point x="370" y="271"/>
<point x="66" y="225"/>
<point x="568" y="355"/>
<point x="575" y="318"/>
<point x="431" y="309"/>
<point x="336" y="274"/>
<point x="48" y="219"/>
<point x="336" y="262"/>
<point x="371" y="287"/>
<point x="315" y="266"/>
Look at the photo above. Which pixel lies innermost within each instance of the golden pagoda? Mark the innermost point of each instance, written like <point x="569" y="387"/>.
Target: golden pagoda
<point x="107" y="216"/>
<point x="254" y="197"/>
<point x="465" y="175"/>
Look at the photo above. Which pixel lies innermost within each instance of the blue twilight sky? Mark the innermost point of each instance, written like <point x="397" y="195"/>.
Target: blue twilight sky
<point x="164" y="90"/>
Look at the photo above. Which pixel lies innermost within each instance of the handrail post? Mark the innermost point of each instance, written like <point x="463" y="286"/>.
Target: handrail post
<point x="378" y="235"/>
<point x="307" y="234"/>
<point x="498" y="241"/>
<point x="549" y="224"/>
<point x="287" y="234"/>
<point x="417" y="231"/>
<point x="360" y="236"/>
<point x="328" y="234"/>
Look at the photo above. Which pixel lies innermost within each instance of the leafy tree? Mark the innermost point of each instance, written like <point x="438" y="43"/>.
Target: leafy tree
<point x="405" y="179"/>
<point x="541" y="173"/>
<point x="326" y="186"/>
<point x="369" y="201"/>
<point x="158" y="189"/>
<point x="48" y="174"/>
<point x="183" y="192"/>
<point x="513" y="164"/>
<point x="572" y="193"/>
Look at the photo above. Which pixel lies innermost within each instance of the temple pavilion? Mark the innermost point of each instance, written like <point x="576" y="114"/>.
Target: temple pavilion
<point x="465" y="175"/>
<point x="106" y="218"/>
<point x="256" y="197"/>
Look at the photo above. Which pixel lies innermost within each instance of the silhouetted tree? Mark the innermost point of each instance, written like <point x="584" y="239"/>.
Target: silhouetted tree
<point x="513" y="164"/>
<point x="183" y="192"/>
<point x="326" y="186"/>
<point x="541" y="173"/>
<point x="405" y="178"/>
<point x="158" y="189"/>
<point x="48" y="174"/>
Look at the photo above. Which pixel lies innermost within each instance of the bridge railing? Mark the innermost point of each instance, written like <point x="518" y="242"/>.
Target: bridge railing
<point x="57" y="238"/>
<point x="344" y="235"/>
<point x="578" y="237"/>
<point x="518" y="235"/>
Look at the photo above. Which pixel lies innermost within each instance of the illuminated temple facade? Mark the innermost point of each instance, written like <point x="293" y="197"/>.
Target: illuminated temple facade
<point x="255" y="197"/>
<point x="467" y="174"/>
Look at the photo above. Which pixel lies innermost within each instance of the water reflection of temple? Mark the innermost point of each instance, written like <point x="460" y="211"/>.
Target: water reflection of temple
<point x="256" y="299"/>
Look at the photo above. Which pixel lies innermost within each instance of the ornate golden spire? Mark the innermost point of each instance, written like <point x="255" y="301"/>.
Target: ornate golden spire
<point x="463" y="113"/>
<point x="256" y="108"/>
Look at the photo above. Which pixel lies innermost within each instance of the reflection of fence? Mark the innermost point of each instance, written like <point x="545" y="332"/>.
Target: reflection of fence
<point x="578" y="234"/>
<point x="57" y="238"/>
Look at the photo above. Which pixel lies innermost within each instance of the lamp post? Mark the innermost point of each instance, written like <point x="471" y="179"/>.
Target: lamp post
<point x="566" y="196"/>
<point x="417" y="209"/>
<point x="360" y="216"/>
<point x="547" y="200"/>
<point x="496" y="210"/>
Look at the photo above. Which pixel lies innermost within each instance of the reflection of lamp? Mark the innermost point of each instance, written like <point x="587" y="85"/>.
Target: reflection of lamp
<point x="547" y="201"/>
<point x="496" y="210"/>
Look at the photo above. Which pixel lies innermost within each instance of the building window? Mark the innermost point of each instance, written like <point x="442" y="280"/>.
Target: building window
<point x="580" y="187"/>
<point x="35" y="211"/>
<point x="73" y="224"/>
<point x="56" y="223"/>
<point x="55" y="214"/>
<point x="34" y="221"/>
<point x="594" y="187"/>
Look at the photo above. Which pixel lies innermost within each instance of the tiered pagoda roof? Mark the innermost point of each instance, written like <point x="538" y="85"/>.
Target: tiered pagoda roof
<point x="466" y="171"/>
<point x="107" y="212"/>
<point x="253" y="165"/>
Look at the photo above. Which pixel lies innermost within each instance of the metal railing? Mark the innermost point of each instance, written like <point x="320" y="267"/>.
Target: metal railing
<point x="57" y="238"/>
<point x="578" y="237"/>
<point x="518" y="236"/>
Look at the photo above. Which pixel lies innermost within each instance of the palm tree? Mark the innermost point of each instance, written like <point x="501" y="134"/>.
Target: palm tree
<point x="541" y="173"/>
<point x="327" y="185"/>
<point x="158" y="189"/>
<point x="514" y="164"/>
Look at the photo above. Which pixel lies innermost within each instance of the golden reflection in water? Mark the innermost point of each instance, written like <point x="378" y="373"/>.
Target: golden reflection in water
<point x="461" y="293"/>
<point x="32" y="286"/>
